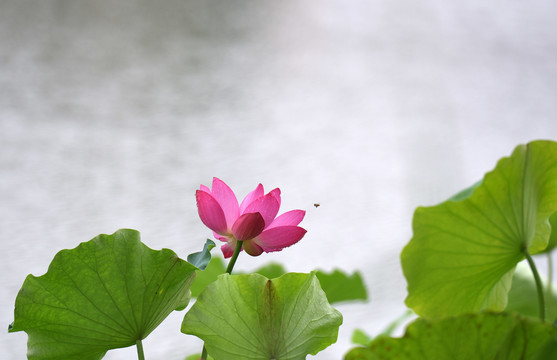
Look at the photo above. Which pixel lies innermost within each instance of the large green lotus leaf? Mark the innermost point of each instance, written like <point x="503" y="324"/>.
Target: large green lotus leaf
<point x="251" y="317"/>
<point x="480" y="336"/>
<point x="463" y="253"/>
<point x="106" y="293"/>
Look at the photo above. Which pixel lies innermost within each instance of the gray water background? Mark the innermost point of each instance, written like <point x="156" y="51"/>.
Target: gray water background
<point x="112" y="113"/>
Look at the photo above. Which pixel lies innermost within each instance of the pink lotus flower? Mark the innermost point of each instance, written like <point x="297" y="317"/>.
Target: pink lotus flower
<point x="253" y="222"/>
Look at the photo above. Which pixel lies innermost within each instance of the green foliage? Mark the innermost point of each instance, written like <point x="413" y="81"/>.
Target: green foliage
<point x="197" y="357"/>
<point x="113" y="291"/>
<point x="338" y="285"/>
<point x="395" y="324"/>
<point x="271" y="270"/>
<point x="106" y="293"/>
<point x="463" y="253"/>
<point x="548" y="351"/>
<point x="341" y="287"/>
<point x="252" y="317"/>
<point x="217" y="267"/>
<point x="203" y="278"/>
<point x="201" y="259"/>
<point x="359" y="337"/>
<point x="523" y="297"/>
<point x="485" y="336"/>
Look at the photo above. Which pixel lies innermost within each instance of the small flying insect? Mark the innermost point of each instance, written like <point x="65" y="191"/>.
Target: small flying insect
<point x="317" y="205"/>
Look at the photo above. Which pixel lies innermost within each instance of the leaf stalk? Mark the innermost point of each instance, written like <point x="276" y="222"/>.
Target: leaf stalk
<point x="140" y="354"/>
<point x="539" y="286"/>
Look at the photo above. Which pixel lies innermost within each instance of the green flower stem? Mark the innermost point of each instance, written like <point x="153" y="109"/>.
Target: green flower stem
<point x="539" y="286"/>
<point x="229" y="271"/>
<point x="234" y="257"/>
<point x="140" y="354"/>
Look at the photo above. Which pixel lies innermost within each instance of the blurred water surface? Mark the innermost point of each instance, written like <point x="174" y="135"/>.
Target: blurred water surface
<point x="113" y="112"/>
